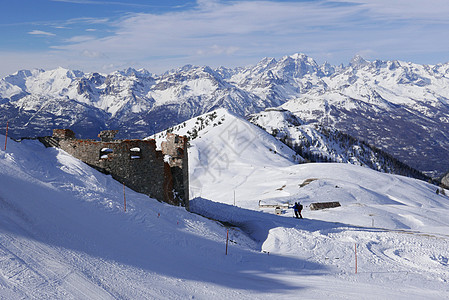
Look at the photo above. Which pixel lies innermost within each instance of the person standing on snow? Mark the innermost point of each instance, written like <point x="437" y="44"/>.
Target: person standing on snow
<point x="297" y="208"/>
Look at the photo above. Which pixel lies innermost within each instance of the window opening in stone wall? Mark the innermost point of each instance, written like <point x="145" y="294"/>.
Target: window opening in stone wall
<point x="135" y="153"/>
<point x="106" y="153"/>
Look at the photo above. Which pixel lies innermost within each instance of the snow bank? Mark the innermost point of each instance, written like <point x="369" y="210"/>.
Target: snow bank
<point x="64" y="234"/>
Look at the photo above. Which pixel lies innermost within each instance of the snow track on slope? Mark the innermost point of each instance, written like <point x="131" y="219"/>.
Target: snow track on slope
<point x="43" y="271"/>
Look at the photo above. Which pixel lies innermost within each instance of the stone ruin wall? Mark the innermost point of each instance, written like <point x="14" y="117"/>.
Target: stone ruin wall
<point x="162" y="175"/>
<point x="175" y="151"/>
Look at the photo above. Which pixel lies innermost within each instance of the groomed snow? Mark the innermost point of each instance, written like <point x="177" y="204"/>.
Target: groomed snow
<point x="64" y="234"/>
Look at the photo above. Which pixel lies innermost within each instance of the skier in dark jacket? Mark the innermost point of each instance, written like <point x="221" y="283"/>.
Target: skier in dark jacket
<point x="297" y="207"/>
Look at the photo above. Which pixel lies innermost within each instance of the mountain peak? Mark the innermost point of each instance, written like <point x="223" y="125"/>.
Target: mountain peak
<point x="297" y="65"/>
<point x="266" y="61"/>
<point x="358" y="62"/>
<point x="299" y="56"/>
<point x="63" y="72"/>
<point x="133" y="72"/>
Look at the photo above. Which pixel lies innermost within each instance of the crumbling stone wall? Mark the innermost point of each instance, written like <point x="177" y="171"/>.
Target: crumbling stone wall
<point x="136" y="163"/>
<point x="175" y="153"/>
<point x="107" y="135"/>
<point x="63" y="134"/>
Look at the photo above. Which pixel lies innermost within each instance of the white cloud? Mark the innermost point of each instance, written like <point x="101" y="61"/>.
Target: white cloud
<point x="80" y="39"/>
<point x="40" y="32"/>
<point x="109" y="3"/>
<point x="93" y="54"/>
<point x="87" y="21"/>
<point x="428" y="11"/>
<point x="216" y="29"/>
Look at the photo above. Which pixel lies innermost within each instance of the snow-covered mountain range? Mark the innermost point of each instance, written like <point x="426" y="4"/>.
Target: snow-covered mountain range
<point x="402" y="108"/>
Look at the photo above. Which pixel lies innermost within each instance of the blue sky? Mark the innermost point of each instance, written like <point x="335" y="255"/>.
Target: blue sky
<point x="103" y="36"/>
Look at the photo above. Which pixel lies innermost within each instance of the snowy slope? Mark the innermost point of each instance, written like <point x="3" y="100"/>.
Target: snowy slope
<point x="64" y="235"/>
<point x="322" y="144"/>
<point x="228" y="154"/>
<point x="399" y="224"/>
<point x="237" y="147"/>
<point x="63" y="232"/>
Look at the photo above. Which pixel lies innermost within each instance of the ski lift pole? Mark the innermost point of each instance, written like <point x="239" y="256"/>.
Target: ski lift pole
<point x="6" y="136"/>
<point x="124" y="197"/>
<point x="355" y="251"/>
<point x="227" y="239"/>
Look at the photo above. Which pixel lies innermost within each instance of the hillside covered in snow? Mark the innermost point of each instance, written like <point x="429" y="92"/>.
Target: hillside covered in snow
<point x="317" y="143"/>
<point x="64" y="232"/>
<point x="294" y="139"/>
<point x="399" y="107"/>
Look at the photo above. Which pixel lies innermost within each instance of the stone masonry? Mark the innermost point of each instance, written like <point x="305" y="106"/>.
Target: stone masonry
<point x="175" y="151"/>
<point x="162" y="175"/>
